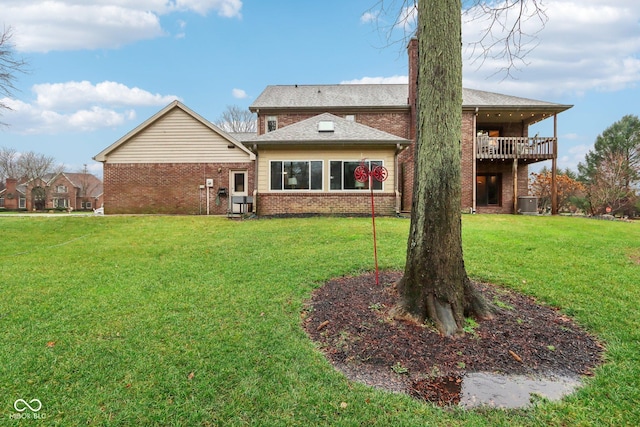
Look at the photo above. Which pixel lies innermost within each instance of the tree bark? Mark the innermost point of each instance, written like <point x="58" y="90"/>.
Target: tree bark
<point x="435" y="283"/>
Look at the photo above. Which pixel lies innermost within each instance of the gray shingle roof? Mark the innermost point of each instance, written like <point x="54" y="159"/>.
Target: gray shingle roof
<point x="479" y="98"/>
<point x="243" y="136"/>
<point x="378" y="96"/>
<point x="332" y="96"/>
<point x="306" y="131"/>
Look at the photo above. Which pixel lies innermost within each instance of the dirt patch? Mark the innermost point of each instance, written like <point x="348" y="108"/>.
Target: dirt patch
<point x="349" y="319"/>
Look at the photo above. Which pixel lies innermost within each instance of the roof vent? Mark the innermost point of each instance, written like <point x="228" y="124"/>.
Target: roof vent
<point x="326" y="126"/>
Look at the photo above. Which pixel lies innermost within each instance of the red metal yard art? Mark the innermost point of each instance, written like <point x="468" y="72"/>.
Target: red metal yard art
<point x="380" y="174"/>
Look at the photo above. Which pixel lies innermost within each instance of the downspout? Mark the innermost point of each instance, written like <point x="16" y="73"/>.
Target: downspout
<point x="396" y="178"/>
<point x="255" y="180"/>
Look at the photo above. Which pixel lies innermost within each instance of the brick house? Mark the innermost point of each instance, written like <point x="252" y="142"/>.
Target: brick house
<point x="309" y="140"/>
<point x="64" y="190"/>
<point x="13" y="196"/>
<point x="308" y="167"/>
<point x="496" y="147"/>
<point x="176" y="162"/>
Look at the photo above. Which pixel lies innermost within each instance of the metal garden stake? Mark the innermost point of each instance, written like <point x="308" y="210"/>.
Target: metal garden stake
<point x="364" y="174"/>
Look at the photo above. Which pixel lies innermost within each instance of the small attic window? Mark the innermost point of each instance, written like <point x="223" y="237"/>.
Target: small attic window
<point x="326" y="126"/>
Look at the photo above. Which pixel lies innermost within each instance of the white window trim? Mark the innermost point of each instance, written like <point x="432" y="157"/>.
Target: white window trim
<point x="343" y="190"/>
<point x="266" y="123"/>
<point x="290" y="190"/>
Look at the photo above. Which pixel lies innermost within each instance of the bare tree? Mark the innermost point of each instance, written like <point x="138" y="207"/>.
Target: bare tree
<point x="509" y="28"/>
<point x="509" y="34"/>
<point x="609" y="188"/>
<point x="9" y="163"/>
<point x="10" y="66"/>
<point x="236" y="119"/>
<point x="87" y="181"/>
<point x="34" y="166"/>
<point x="435" y="284"/>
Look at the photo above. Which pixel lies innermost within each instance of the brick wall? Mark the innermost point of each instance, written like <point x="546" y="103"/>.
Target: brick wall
<point x="393" y="122"/>
<point x="11" y="196"/>
<point x="325" y="203"/>
<point x="467" y="159"/>
<point x="406" y="175"/>
<point x="167" y="188"/>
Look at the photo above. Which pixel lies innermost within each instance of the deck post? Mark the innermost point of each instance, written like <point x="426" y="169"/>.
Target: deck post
<point x="554" y="166"/>
<point x="515" y="186"/>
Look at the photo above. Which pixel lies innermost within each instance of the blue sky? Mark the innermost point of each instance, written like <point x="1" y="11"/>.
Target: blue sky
<point x="98" y="69"/>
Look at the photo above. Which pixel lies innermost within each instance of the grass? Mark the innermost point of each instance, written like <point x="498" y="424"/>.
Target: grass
<point x="196" y="320"/>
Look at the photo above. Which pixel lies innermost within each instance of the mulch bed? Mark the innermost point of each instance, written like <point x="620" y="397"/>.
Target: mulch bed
<point x="349" y="318"/>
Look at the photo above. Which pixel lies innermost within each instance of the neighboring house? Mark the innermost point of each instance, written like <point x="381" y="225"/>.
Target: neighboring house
<point x="65" y="190"/>
<point x="310" y="139"/>
<point x="176" y="162"/>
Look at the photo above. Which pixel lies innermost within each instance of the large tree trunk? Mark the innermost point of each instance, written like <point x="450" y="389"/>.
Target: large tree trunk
<point x="435" y="283"/>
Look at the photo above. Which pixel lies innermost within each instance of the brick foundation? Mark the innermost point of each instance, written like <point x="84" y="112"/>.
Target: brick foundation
<point x="325" y="203"/>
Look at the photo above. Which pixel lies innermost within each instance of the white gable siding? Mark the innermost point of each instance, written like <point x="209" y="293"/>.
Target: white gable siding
<point x="177" y="138"/>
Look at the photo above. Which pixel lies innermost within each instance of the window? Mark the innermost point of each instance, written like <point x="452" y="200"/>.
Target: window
<point x="343" y="178"/>
<point x="238" y="182"/>
<point x="61" y="189"/>
<point x="272" y="123"/>
<point x="2" y="202"/>
<point x="296" y="175"/>
<point x="488" y="189"/>
<point x="60" y="203"/>
<point x="22" y="202"/>
<point x="86" y="205"/>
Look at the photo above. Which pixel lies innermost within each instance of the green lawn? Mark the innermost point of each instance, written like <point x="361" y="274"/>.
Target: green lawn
<point x="196" y="320"/>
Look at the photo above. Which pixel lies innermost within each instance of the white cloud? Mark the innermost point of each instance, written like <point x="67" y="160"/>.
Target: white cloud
<point x="46" y="25"/>
<point x="572" y="156"/>
<point x="408" y="19"/>
<point x="79" y="106"/>
<point x="369" y="17"/>
<point x="74" y="94"/>
<point x="239" y="93"/>
<point x="226" y="8"/>
<point x="30" y="119"/>
<point x="377" y="80"/>
<point x="587" y="45"/>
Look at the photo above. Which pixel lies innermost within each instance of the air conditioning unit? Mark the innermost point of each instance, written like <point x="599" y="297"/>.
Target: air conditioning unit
<point x="528" y="205"/>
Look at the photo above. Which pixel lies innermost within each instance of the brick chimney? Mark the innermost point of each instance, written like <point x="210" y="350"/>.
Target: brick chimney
<point x="11" y="196"/>
<point x="412" y="51"/>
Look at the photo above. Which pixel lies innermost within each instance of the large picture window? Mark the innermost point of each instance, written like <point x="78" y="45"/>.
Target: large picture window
<point x="488" y="190"/>
<point x="296" y="175"/>
<point x="343" y="177"/>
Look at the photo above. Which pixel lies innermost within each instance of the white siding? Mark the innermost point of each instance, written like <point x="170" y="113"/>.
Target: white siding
<point x="177" y="138"/>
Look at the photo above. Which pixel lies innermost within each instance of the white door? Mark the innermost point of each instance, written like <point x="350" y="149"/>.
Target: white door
<point x="239" y="192"/>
